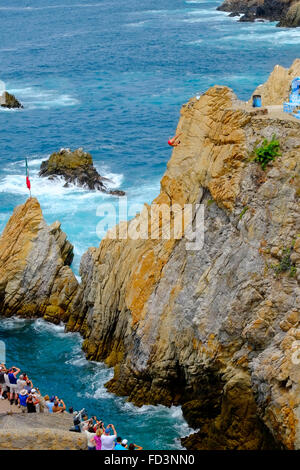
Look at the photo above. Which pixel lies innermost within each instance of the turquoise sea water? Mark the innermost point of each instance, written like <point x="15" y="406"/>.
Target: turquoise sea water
<point x="110" y="76"/>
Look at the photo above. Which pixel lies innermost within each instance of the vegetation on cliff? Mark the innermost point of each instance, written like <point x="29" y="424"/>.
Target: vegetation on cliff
<point x="267" y="152"/>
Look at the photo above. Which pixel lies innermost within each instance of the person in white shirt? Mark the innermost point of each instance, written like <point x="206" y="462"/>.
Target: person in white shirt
<point x="108" y="441"/>
<point x="21" y="383"/>
<point x="90" y="434"/>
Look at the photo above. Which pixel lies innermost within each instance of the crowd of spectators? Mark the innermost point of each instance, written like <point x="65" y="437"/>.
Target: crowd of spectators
<point x="18" y="388"/>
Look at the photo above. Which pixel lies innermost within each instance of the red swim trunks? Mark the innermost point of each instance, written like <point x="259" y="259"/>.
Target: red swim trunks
<point x="170" y="143"/>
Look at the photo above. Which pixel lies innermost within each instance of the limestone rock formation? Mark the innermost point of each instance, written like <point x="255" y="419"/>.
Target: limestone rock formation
<point x="292" y="18"/>
<point x="214" y="329"/>
<point x="277" y="88"/>
<point x="76" y="167"/>
<point x="286" y="12"/>
<point x="35" y="277"/>
<point x="9" y="101"/>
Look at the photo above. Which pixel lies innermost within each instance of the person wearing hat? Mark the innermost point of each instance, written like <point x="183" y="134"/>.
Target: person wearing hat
<point x="119" y="445"/>
<point x="35" y="399"/>
<point x="108" y="441"/>
<point x="124" y="443"/>
<point x="22" y="399"/>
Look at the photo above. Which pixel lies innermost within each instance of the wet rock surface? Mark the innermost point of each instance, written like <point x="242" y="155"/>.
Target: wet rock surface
<point x="9" y="101"/>
<point x="286" y="12"/>
<point x="76" y="167"/>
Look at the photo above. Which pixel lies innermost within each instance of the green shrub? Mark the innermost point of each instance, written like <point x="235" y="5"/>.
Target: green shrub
<point x="285" y="263"/>
<point x="267" y="152"/>
<point x="243" y="212"/>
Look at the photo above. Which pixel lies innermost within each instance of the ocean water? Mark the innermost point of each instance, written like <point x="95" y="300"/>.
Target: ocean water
<point x="110" y="76"/>
<point x="54" y="361"/>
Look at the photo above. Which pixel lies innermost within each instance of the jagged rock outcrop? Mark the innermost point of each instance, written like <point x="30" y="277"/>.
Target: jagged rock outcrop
<point x="292" y="18"/>
<point x="9" y="101"/>
<point x="215" y="329"/>
<point x="76" y="167"/>
<point x="277" y="88"/>
<point x="35" y="277"/>
<point x="286" y="12"/>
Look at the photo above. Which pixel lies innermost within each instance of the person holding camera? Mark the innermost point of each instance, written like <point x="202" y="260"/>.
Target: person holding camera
<point x="108" y="440"/>
<point x="59" y="406"/>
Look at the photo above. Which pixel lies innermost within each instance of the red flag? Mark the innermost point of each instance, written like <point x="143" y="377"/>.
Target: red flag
<point x="27" y="176"/>
<point x="28" y="183"/>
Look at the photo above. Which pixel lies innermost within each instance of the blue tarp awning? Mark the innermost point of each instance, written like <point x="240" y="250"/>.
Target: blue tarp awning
<point x="295" y="84"/>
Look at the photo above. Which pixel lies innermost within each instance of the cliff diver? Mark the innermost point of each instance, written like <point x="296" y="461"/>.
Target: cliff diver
<point x="174" y="141"/>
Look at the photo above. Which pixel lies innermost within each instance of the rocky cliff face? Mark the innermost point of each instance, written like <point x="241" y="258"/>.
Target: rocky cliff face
<point x="286" y="12"/>
<point x="276" y="90"/>
<point x="215" y="329"/>
<point x="35" y="277"/>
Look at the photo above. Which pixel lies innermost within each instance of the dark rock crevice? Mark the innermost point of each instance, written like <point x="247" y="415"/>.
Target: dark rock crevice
<point x="286" y="12"/>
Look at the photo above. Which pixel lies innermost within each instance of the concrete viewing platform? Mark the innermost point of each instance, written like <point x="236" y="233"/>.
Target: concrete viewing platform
<point x="266" y="112"/>
<point x="37" y="431"/>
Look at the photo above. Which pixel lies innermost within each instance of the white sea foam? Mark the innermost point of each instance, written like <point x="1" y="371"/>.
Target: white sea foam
<point x="78" y="358"/>
<point x="137" y="24"/>
<point x="37" y="161"/>
<point x="275" y="37"/>
<point x="14" y="323"/>
<point x="194" y="43"/>
<point x="208" y="12"/>
<point x="101" y="375"/>
<point x="200" y="16"/>
<point x="35" y="97"/>
<point x="42" y="325"/>
<point x="9" y="110"/>
<point x="115" y="179"/>
<point x="14" y="183"/>
<point x="174" y="414"/>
